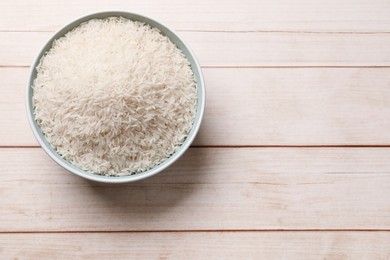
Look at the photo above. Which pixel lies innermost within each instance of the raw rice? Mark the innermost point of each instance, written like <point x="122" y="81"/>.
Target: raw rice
<point x="114" y="97"/>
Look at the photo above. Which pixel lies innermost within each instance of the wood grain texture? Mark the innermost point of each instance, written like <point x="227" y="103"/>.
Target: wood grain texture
<point x="226" y="245"/>
<point x="259" y="107"/>
<point x="242" y="48"/>
<point x="278" y="73"/>
<point x="300" y="15"/>
<point x="208" y="189"/>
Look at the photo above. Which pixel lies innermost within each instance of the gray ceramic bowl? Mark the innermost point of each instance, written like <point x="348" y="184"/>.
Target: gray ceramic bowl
<point x="200" y="106"/>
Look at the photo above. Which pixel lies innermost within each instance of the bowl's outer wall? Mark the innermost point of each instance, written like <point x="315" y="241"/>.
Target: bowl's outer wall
<point x="165" y="31"/>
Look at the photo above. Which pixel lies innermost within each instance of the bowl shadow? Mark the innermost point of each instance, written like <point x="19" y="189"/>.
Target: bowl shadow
<point x="133" y="205"/>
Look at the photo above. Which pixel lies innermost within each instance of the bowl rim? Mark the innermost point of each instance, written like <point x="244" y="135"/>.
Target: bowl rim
<point x="200" y="85"/>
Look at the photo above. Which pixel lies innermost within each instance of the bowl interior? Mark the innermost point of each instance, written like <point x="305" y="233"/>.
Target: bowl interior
<point x="108" y="179"/>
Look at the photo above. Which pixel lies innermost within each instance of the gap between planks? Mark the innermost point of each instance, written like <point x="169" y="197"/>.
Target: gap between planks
<point x="231" y="31"/>
<point x="193" y="231"/>
<point x="255" y="67"/>
<point x="242" y="146"/>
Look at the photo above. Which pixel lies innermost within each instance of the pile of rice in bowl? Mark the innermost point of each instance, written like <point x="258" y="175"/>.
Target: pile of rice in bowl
<point x="114" y="97"/>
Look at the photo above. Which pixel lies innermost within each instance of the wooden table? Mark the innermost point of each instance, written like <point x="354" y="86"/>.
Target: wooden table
<point x="292" y="160"/>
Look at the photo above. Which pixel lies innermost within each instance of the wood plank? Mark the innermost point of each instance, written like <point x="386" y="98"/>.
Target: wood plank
<point x="242" y="48"/>
<point x="14" y="128"/>
<point x="282" y="107"/>
<point x="300" y="15"/>
<point x="208" y="189"/>
<point x="226" y="245"/>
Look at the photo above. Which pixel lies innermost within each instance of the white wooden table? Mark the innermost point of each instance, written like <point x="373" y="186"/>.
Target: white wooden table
<point x="292" y="160"/>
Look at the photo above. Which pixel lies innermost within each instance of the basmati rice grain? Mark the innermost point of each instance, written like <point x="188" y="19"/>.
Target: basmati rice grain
<point x="114" y="97"/>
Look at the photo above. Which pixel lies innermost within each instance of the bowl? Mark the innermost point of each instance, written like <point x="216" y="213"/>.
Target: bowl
<point x="138" y="176"/>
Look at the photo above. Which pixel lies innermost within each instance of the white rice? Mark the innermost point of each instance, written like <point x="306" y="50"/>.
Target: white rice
<point x="115" y="97"/>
